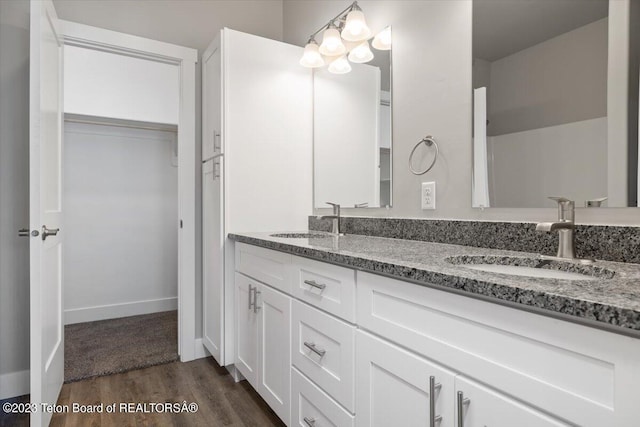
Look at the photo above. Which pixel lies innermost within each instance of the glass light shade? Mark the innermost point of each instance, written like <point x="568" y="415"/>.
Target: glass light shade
<point x="340" y="66"/>
<point x="382" y="40"/>
<point x="332" y="43"/>
<point x="355" y="28"/>
<point x="361" y="53"/>
<point x="311" y="57"/>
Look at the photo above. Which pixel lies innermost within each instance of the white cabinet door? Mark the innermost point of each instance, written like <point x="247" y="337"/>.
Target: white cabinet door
<point x="246" y="328"/>
<point x="213" y="259"/>
<point x="213" y="289"/>
<point x="274" y="338"/>
<point x="212" y="100"/>
<point x="393" y="387"/>
<point x="488" y="408"/>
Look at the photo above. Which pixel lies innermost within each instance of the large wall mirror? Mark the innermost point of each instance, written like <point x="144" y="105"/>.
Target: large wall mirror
<point x="547" y="99"/>
<point x="352" y="143"/>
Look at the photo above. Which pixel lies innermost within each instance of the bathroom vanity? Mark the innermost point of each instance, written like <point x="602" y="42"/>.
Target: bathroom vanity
<point x="360" y="330"/>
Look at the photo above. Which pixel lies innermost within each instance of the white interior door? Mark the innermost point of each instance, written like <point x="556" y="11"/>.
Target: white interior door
<point x="45" y="209"/>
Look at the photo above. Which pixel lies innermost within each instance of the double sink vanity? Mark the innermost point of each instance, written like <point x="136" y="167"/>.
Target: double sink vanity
<point x="360" y="330"/>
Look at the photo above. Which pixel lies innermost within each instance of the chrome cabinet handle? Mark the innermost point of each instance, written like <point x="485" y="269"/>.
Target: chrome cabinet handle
<point x="311" y="346"/>
<point x="256" y="292"/>
<point x="251" y="289"/>
<point x="216" y="136"/>
<point x="315" y="284"/>
<point x="310" y="421"/>
<point x="433" y="386"/>
<point x="460" y="406"/>
<point x="216" y="169"/>
<point x="46" y="232"/>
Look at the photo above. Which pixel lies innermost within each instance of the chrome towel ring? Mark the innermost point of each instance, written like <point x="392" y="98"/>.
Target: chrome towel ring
<point x="428" y="141"/>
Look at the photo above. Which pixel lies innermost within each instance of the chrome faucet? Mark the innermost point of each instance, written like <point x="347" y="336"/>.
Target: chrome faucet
<point x="565" y="227"/>
<point x="335" y="219"/>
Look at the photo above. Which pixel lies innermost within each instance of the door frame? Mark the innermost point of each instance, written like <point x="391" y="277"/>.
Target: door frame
<point x="85" y="36"/>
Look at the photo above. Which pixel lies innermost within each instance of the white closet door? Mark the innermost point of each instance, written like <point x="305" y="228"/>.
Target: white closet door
<point x="45" y="211"/>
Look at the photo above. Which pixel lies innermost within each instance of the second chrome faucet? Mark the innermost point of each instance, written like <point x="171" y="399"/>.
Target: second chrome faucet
<point x="335" y="219"/>
<point x="565" y="226"/>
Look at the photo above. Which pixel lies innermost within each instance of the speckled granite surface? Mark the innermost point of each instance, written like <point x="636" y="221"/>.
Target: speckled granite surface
<point x="611" y="243"/>
<point x="613" y="303"/>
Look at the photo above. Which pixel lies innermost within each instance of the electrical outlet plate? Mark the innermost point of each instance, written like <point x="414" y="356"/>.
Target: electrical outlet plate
<point x="428" y="195"/>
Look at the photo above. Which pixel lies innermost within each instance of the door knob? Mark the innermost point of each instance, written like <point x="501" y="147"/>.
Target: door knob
<point x="24" y="232"/>
<point x="46" y="232"/>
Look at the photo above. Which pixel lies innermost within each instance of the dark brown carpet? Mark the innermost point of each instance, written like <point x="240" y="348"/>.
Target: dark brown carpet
<point x="119" y="345"/>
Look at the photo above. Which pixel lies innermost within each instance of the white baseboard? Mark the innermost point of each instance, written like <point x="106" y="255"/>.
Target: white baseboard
<point x="113" y="311"/>
<point x="14" y="384"/>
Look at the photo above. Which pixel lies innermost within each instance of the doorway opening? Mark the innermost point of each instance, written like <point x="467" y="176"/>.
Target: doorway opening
<point x="120" y="196"/>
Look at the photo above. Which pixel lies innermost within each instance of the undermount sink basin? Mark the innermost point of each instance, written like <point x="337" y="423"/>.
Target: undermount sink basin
<point x="299" y="235"/>
<point x="533" y="267"/>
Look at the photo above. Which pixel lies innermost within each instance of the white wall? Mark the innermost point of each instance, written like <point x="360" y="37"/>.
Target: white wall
<point x="573" y="171"/>
<point x="105" y="84"/>
<point x="121" y="211"/>
<point x="561" y="80"/>
<point x="14" y="198"/>
<point x="431" y="94"/>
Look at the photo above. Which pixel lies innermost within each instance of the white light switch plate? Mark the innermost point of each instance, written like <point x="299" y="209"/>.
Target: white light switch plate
<point x="428" y="195"/>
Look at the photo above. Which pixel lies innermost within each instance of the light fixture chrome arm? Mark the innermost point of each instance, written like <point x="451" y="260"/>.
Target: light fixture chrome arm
<point x="352" y="6"/>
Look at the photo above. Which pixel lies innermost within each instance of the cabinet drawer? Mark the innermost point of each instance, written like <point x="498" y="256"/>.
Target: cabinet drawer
<point x="267" y="266"/>
<point x="326" y="286"/>
<point x="310" y="406"/>
<point x="323" y="349"/>
<point x="548" y="363"/>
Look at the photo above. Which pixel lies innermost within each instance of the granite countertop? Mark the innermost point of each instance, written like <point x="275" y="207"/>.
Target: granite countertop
<point x="610" y="300"/>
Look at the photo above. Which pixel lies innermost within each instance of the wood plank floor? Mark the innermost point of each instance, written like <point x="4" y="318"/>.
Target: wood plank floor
<point x="221" y="401"/>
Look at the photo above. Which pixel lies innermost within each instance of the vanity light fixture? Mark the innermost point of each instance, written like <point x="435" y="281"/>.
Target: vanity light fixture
<point x="361" y="53"/>
<point x="331" y="42"/>
<point x="355" y="27"/>
<point x="382" y="40"/>
<point x="345" y="36"/>
<point x="311" y="57"/>
<point x="340" y="66"/>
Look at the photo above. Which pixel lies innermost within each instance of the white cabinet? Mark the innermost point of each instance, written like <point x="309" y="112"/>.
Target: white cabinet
<point x="256" y="105"/>
<point x="394" y="387"/>
<point x="480" y="406"/>
<point x="274" y="349"/>
<point x="212" y="250"/>
<point x="416" y="350"/>
<point x="312" y="407"/>
<point x="323" y="349"/>
<point x="263" y="339"/>
<point x="246" y="329"/>
<point x="575" y="373"/>
<point x="326" y="286"/>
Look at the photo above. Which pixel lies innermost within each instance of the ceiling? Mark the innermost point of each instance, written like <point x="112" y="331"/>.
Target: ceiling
<point x="503" y="27"/>
<point x="190" y="23"/>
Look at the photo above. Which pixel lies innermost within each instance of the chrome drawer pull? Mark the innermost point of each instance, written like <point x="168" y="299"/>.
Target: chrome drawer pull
<point x="251" y="289"/>
<point x="310" y="421"/>
<point x="256" y="292"/>
<point x="433" y="386"/>
<point x="461" y="402"/>
<point x="315" y="284"/>
<point x="311" y="346"/>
